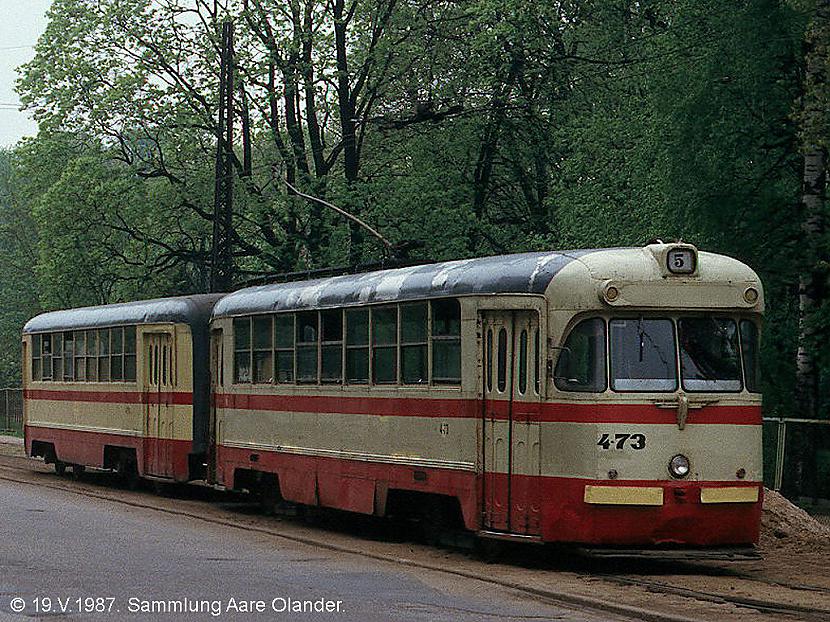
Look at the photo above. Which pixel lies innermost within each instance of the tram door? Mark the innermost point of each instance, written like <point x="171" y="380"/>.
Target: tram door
<point x="511" y="446"/>
<point x="216" y="382"/>
<point x="158" y="402"/>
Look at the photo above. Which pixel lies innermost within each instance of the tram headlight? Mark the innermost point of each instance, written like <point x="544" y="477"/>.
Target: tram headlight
<point x="679" y="466"/>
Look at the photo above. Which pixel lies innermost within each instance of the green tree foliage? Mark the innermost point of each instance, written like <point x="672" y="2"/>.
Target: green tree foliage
<point x="18" y="281"/>
<point x="454" y="128"/>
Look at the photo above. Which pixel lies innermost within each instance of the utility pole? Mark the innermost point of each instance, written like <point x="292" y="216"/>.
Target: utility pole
<point x="221" y="272"/>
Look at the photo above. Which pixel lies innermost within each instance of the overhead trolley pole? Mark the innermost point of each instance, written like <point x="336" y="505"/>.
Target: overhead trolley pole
<point x="221" y="273"/>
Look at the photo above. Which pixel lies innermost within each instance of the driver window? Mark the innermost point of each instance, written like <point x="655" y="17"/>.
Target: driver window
<point x="581" y="364"/>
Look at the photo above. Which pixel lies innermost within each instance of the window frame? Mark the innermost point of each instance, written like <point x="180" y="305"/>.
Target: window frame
<point x="281" y="349"/>
<point x="756" y="324"/>
<point x="674" y="318"/>
<point x="324" y="344"/>
<point x="37" y="360"/>
<point x="306" y="345"/>
<point x="393" y="346"/>
<point x="414" y="344"/>
<point x="257" y="350"/>
<point x="576" y="322"/>
<point x="393" y="350"/>
<point x="675" y="342"/>
<point x="127" y="355"/>
<point x="76" y="362"/>
<point x="522" y="361"/>
<point x="237" y="351"/>
<point x="741" y="371"/>
<point x="367" y="346"/>
<point x="502" y="359"/>
<point x="446" y="339"/>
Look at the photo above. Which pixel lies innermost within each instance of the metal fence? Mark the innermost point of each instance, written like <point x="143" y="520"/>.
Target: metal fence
<point x="797" y="457"/>
<point x="11" y="411"/>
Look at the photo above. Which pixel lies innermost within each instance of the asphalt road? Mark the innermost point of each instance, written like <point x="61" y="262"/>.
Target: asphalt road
<point x="65" y="556"/>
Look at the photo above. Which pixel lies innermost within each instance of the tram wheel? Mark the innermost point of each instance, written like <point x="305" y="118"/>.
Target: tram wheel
<point x="60" y="467"/>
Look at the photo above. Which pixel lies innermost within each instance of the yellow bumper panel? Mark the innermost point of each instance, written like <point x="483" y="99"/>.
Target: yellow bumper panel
<point x="729" y="495"/>
<point x="623" y="495"/>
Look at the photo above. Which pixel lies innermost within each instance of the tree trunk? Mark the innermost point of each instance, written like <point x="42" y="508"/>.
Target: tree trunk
<point x="812" y="282"/>
<point x="346" y="106"/>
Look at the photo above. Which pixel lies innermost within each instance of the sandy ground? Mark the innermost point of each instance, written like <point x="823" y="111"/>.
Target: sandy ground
<point x="794" y="569"/>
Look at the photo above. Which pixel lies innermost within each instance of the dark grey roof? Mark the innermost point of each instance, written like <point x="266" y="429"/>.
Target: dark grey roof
<point x="525" y="273"/>
<point x="190" y="310"/>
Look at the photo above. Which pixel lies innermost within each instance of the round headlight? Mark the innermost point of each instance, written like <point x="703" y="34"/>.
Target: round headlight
<point x="751" y="295"/>
<point x="612" y="293"/>
<point x="679" y="466"/>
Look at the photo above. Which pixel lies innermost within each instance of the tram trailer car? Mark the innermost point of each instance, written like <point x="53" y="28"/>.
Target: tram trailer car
<point x="121" y="386"/>
<point x="601" y="397"/>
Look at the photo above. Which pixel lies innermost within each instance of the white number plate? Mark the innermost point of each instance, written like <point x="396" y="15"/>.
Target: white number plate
<point x="681" y="261"/>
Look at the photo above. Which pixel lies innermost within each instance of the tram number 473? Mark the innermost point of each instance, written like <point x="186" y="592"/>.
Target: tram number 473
<point x="622" y="441"/>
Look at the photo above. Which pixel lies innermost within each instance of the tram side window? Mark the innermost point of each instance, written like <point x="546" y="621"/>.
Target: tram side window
<point x="385" y="345"/>
<point x="414" y="344"/>
<point x="308" y="336"/>
<point x="92" y="355"/>
<point x="357" y="346"/>
<point x="446" y="341"/>
<point x="68" y="357"/>
<point x="523" y="362"/>
<point x="80" y="355"/>
<point x="46" y="354"/>
<point x="501" y="362"/>
<point x="103" y="355"/>
<point x="242" y="349"/>
<point x="117" y="355"/>
<point x="36" y="358"/>
<point x="284" y="347"/>
<point x="129" y="353"/>
<point x="581" y="364"/>
<point x="57" y="357"/>
<point x="749" y="351"/>
<point x="263" y="358"/>
<point x="331" y="347"/>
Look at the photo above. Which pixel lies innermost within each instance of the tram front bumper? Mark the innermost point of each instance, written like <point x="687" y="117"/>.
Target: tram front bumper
<point x="652" y="513"/>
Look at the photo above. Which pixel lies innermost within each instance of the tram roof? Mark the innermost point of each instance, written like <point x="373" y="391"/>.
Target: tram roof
<point x="189" y="310"/>
<point x="524" y="273"/>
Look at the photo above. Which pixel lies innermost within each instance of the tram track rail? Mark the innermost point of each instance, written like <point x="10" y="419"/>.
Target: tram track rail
<point x="764" y="606"/>
<point x="22" y="471"/>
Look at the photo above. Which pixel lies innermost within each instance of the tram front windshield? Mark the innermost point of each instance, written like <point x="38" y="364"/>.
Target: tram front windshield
<point x="709" y="354"/>
<point x="643" y="355"/>
<point x="715" y="354"/>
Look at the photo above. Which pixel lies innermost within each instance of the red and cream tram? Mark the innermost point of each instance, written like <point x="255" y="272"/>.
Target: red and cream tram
<point x="122" y="386"/>
<point x="602" y="397"/>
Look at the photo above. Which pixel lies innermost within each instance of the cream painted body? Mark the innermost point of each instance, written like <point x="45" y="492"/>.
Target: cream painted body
<point x="119" y="418"/>
<point x="715" y="452"/>
<point x="553" y="449"/>
<point x="450" y="442"/>
<point x="447" y="443"/>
